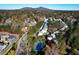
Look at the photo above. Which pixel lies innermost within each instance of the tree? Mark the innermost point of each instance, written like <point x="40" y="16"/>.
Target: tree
<point x="11" y="52"/>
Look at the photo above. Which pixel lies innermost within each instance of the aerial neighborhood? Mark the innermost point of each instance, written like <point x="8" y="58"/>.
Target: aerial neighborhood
<point x="39" y="31"/>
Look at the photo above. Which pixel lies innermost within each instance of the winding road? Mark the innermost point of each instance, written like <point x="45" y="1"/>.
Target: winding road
<point x="22" y="44"/>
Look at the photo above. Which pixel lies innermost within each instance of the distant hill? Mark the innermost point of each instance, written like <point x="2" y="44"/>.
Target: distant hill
<point x="37" y="9"/>
<point x="43" y="9"/>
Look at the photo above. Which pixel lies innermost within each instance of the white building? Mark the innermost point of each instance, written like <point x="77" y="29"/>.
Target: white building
<point x="2" y="47"/>
<point x="4" y="37"/>
<point x="53" y="35"/>
<point x="43" y="28"/>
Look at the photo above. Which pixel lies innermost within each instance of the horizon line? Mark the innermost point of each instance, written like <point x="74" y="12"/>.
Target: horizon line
<point x="48" y="6"/>
<point x="41" y="7"/>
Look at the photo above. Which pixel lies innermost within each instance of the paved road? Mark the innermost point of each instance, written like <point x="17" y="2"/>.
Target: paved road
<point x="6" y="49"/>
<point x="21" y="45"/>
<point x="3" y="52"/>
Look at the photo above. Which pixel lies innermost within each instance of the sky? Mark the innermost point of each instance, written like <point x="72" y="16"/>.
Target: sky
<point x="50" y="6"/>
